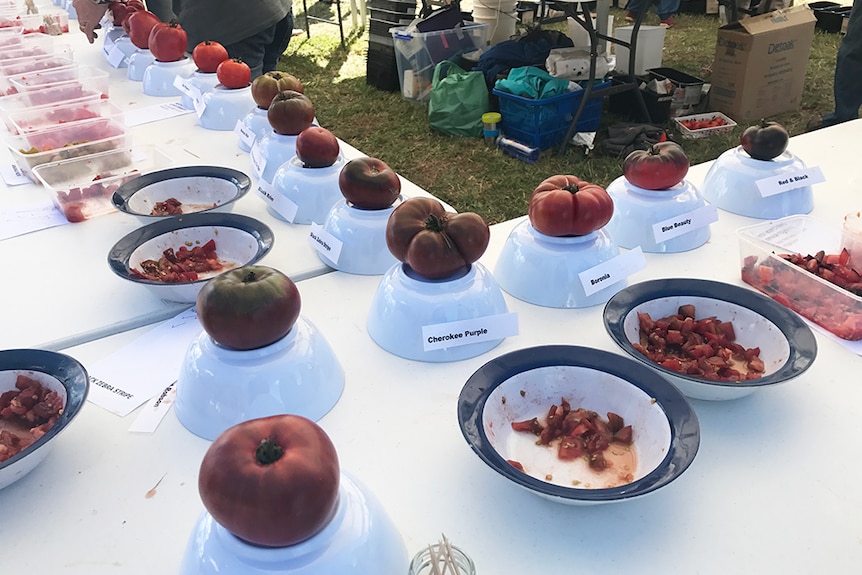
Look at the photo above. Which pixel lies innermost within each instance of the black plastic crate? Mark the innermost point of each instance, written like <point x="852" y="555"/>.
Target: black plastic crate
<point x="625" y="103"/>
<point x="389" y="16"/>
<point x="381" y="27"/>
<point x="687" y="89"/>
<point x="692" y="7"/>
<point x="381" y="68"/>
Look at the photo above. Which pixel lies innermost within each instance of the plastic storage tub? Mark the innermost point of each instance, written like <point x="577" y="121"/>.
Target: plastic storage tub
<point x="17" y="67"/>
<point x="543" y="123"/>
<point x="89" y="76"/>
<point x="727" y="126"/>
<point x="416" y="54"/>
<point x="687" y="89"/>
<point x="81" y="188"/>
<point x="19" y="46"/>
<point x="833" y="308"/>
<point x="34" y="120"/>
<point x="66" y="142"/>
<point x="40" y="99"/>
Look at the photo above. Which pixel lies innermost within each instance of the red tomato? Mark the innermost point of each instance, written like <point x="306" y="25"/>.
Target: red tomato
<point x="567" y="206"/>
<point x="207" y="55"/>
<point x="233" y="73"/>
<point x="168" y="42"/>
<point x="271" y="481"/>
<point x="138" y="26"/>
<point x="435" y="243"/>
<point x="659" y="167"/>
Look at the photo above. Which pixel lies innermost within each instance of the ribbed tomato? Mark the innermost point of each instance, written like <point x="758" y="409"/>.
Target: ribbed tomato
<point x="565" y="205"/>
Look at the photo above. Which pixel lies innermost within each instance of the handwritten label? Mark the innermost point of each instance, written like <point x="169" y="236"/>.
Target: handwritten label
<point x="186" y="88"/>
<point x="684" y="223"/>
<point x="13" y="176"/>
<point x="325" y="243"/>
<point x="108" y="44"/>
<point x="258" y="160"/>
<point x="283" y="206"/>
<point x="154" y="412"/>
<point x="26" y="219"/>
<point x="612" y="271"/>
<point x="121" y="390"/>
<point x="246" y="136"/>
<point x="115" y="56"/>
<point x="782" y="183"/>
<point x="467" y="331"/>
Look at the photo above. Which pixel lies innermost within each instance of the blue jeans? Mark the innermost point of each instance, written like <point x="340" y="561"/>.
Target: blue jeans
<point x="262" y="51"/>
<point x="664" y="8"/>
<point x="848" y="72"/>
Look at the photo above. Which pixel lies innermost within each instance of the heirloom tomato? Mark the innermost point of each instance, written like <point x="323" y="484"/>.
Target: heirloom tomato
<point x="564" y="205"/>
<point x="233" y="73"/>
<point x="765" y="141"/>
<point x="207" y="55"/>
<point x="661" y="166"/>
<point x="435" y="243"/>
<point x="168" y="42"/>
<point x="248" y="307"/>
<point x="271" y="481"/>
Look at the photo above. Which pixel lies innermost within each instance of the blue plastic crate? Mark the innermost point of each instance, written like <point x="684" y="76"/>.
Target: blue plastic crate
<point x="544" y="123"/>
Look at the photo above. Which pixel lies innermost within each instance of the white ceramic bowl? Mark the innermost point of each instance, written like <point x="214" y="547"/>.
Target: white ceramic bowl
<point x="544" y="270"/>
<point x="240" y="240"/>
<point x="638" y="211"/>
<point x="220" y="387"/>
<point x="362" y="234"/>
<point x="523" y="384"/>
<point x="787" y="345"/>
<point x="159" y="77"/>
<point x="199" y="83"/>
<point x="314" y="191"/>
<point x="224" y="107"/>
<point x="200" y="189"/>
<point x="137" y="64"/>
<point x="55" y="371"/>
<point x="405" y="303"/>
<point x="268" y="153"/>
<point x="360" y="539"/>
<point x="731" y="184"/>
<point x="255" y="125"/>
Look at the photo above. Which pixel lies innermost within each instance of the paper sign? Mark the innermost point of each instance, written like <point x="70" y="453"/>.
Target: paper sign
<point x="153" y="113"/>
<point x="13" y="176"/>
<point x="115" y="56"/>
<point x="327" y="244"/>
<point x="155" y="411"/>
<point x="134" y="374"/>
<point x="187" y="88"/>
<point x="789" y="181"/>
<point x="282" y="205"/>
<point x="246" y="136"/>
<point x="26" y="219"/>
<point x="467" y="331"/>
<point x="612" y="271"/>
<point x="258" y="161"/>
<point x="684" y="223"/>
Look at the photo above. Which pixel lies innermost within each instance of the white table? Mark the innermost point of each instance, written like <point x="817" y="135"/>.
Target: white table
<point x="773" y="488"/>
<point x="76" y="298"/>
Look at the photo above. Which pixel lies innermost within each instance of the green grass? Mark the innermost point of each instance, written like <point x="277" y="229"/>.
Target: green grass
<point x="463" y="171"/>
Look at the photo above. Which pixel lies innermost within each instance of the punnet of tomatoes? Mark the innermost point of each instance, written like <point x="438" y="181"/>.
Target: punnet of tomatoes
<point x="703" y="125"/>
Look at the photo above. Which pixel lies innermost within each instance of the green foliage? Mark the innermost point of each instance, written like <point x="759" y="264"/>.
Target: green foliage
<point x="465" y="172"/>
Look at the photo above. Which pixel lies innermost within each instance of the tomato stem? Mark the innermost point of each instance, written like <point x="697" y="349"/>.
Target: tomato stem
<point x="434" y="223"/>
<point x="571" y="188"/>
<point x="268" y="452"/>
<point x="249" y="277"/>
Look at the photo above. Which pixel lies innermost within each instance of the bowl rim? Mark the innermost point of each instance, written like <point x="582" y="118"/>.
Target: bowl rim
<point x="69" y="371"/>
<point x="121" y="196"/>
<point x="800" y="338"/>
<point x="683" y="422"/>
<point x="121" y="252"/>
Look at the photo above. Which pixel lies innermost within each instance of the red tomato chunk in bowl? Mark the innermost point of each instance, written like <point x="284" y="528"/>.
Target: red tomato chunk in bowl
<point x="703" y="348"/>
<point x="582" y="433"/>
<point x="181" y="265"/>
<point x="26" y="414"/>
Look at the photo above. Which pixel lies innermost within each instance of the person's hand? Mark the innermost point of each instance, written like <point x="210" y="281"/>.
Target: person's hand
<point x="89" y="15"/>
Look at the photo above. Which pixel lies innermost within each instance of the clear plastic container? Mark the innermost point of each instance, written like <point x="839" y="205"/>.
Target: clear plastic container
<point x="33" y="120"/>
<point x="81" y="188"/>
<point x="66" y="142"/>
<point x="34" y="100"/>
<point x="423" y="562"/>
<point x="834" y="308"/>
<point x="20" y="46"/>
<point x="89" y="76"/>
<point x="27" y="65"/>
<point x="51" y="22"/>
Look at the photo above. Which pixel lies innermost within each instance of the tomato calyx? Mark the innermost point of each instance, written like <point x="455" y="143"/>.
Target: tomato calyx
<point x="268" y="452"/>
<point x="572" y="188"/>
<point x="250" y="277"/>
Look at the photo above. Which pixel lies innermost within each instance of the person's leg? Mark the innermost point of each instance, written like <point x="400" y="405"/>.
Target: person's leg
<point x="281" y="38"/>
<point x="848" y="72"/>
<point x="665" y="10"/>
<point x="633" y="7"/>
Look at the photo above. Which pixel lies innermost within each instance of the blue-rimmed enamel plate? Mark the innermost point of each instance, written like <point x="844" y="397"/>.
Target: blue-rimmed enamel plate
<point x="525" y="383"/>
<point x="787" y="345"/>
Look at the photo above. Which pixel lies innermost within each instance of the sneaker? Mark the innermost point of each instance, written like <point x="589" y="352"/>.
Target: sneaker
<point x="667" y="23"/>
<point x="630" y="17"/>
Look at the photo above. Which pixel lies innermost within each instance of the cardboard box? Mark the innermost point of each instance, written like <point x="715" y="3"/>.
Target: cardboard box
<point x="760" y="63"/>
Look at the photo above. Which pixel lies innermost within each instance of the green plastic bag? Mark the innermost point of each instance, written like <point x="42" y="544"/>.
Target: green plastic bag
<point x="458" y="100"/>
